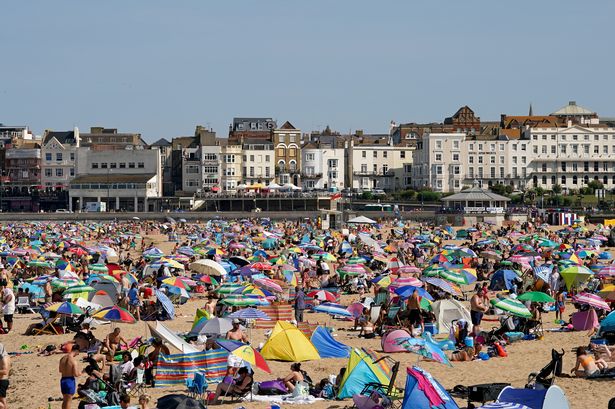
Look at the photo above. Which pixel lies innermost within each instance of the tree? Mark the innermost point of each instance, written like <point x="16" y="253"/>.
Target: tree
<point x="556" y="189"/>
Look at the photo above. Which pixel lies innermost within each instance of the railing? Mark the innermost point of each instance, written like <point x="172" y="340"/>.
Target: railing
<point x="372" y="173"/>
<point x="311" y="175"/>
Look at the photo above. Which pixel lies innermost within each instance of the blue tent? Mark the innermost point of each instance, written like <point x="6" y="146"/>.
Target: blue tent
<point x="327" y="346"/>
<point x="415" y="398"/>
<point x="608" y="323"/>
<point x="503" y="280"/>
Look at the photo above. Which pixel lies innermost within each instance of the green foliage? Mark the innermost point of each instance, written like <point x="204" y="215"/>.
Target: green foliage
<point x="405" y="194"/>
<point x="428" y="196"/>
<point x="556" y="189"/>
<point x="367" y="196"/>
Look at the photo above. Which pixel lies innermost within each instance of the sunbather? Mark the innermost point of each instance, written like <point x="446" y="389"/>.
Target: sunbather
<point x="590" y="365"/>
<point x="293" y="377"/>
<point x="112" y="343"/>
<point x="240" y="385"/>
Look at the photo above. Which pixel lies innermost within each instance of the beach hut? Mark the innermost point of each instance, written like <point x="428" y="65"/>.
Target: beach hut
<point x="551" y="398"/>
<point x="447" y="311"/>
<point x="424" y="392"/>
<point x="362" y="369"/>
<point x="327" y="346"/>
<point x="288" y="343"/>
<point x="389" y="341"/>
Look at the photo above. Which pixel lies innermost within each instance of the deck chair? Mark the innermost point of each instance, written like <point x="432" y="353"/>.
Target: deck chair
<point x="48" y="328"/>
<point x="390" y="394"/>
<point x="137" y="387"/>
<point x="23" y="304"/>
<point x="197" y="386"/>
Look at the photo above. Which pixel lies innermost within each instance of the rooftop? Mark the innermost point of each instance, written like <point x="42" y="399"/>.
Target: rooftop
<point x="475" y="194"/>
<point x="114" y="178"/>
<point x="572" y="109"/>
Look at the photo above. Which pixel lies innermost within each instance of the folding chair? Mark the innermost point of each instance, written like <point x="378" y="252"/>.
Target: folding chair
<point x="197" y="386"/>
<point x="137" y="387"/>
<point x="48" y="329"/>
<point x="23" y="304"/>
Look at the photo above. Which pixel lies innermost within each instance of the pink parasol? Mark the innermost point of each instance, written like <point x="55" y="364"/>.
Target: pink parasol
<point x="592" y="300"/>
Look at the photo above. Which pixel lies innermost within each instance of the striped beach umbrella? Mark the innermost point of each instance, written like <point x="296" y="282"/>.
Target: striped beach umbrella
<point x="511" y="306"/>
<point x="592" y="300"/>
<point x="250" y="314"/>
<point x="115" y="314"/>
<point x="333" y="309"/>
<point x="65" y="308"/>
<point x="444" y="285"/>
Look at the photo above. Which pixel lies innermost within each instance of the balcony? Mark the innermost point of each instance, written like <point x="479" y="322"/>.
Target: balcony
<point x="388" y="173"/>
<point x="311" y="175"/>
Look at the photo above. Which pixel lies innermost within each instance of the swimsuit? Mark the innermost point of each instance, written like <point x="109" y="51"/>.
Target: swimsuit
<point x="68" y="385"/>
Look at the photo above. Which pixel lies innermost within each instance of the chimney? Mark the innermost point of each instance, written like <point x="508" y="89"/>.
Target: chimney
<point x="569" y="123"/>
<point x="77" y="138"/>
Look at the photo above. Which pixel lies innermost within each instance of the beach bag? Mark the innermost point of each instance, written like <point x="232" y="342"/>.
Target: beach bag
<point x="301" y="390"/>
<point x="274" y="387"/>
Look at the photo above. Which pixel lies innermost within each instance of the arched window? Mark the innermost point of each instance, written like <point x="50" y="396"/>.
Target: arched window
<point x="575" y="179"/>
<point x="292" y="165"/>
<point x="282" y="166"/>
<point x="563" y="180"/>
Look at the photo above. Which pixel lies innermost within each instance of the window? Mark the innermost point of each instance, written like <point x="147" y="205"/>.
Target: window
<point x="535" y="149"/>
<point x="492" y="172"/>
<point x="251" y="171"/>
<point x="438" y="157"/>
<point x="72" y="156"/>
<point x="501" y="171"/>
<point x="596" y="149"/>
<point x="501" y="146"/>
<point x="575" y="148"/>
<point x="230" y="158"/>
<point x="48" y="156"/>
<point x="192" y="169"/>
<point x="480" y="160"/>
<point x="544" y="180"/>
<point x="563" y="166"/>
<point x="293" y="152"/>
<point x="267" y="172"/>
<point x="480" y="147"/>
<point x="514" y="172"/>
<point x="492" y="160"/>
<point x="402" y="154"/>
<point x="575" y="180"/>
<point x="363" y="168"/>
<point x="523" y="160"/>
<point x="438" y="169"/>
<point x="113" y="165"/>
<point x="544" y="167"/>
<point x="605" y="166"/>
<point x="455" y="144"/>
<point x="210" y="156"/>
<point x="229" y="171"/>
<point x="522" y="146"/>
<point x="384" y="154"/>
<point x="131" y="165"/>
<point x="586" y="166"/>
<point x="375" y="154"/>
<point x="309" y="156"/>
<point x="514" y="147"/>
<point x="438" y="144"/>
<point x="364" y="154"/>
<point x="471" y="147"/>
<point x="103" y="165"/>
<point x="94" y="165"/>
<point x="471" y="159"/>
<point x="59" y="156"/>
<point x="501" y="159"/>
<point x="553" y="180"/>
<point x="553" y="149"/>
<point x="60" y="172"/>
<point x="563" y="148"/>
<point x="141" y="165"/>
<point x="332" y="163"/>
<point x="605" y="149"/>
<point x="455" y="157"/>
<point x="575" y="167"/>
<point x="385" y="169"/>
<point x="72" y="171"/>
<point x="456" y="170"/>
<point x="122" y="165"/>
<point x="514" y="160"/>
<point x="563" y="180"/>
<point x="586" y="149"/>
<point x="292" y="165"/>
<point x="596" y="166"/>
<point x="48" y="173"/>
<point x="470" y="172"/>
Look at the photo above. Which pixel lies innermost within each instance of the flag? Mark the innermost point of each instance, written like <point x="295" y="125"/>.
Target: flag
<point x="335" y="196"/>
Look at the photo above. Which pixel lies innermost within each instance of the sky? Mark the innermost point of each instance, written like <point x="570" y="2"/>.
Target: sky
<point x="162" y="67"/>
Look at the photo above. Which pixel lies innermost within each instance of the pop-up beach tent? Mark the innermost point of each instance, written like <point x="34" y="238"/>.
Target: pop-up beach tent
<point x="551" y="398"/>
<point x="288" y="343"/>
<point x="327" y="346"/>
<point x="447" y="311"/>
<point x="363" y="367"/>
<point x="423" y="391"/>
<point x="389" y="341"/>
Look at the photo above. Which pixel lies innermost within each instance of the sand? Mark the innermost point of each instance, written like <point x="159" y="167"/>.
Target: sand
<point x="34" y="379"/>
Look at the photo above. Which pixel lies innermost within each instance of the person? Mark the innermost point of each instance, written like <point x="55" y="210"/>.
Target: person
<point x="235" y="333"/>
<point x="92" y="382"/>
<point x="8" y="307"/>
<point x="293" y="377"/>
<point x="69" y="369"/>
<point x="5" y="369"/>
<point x="464" y="354"/>
<point x="560" y="307"/>
<point x="588" y="363"/>
<point x="127" y="365"/>
<point x="299" y="303"/>
<point x="477" y="309"/>
<point x="367" y="328"/>
<point x="113" y="343"/>
<point x="134" y="301"/>
<point x="414" y="309"/>
<point x="48" y="291"/>
<point x="241" y="385"/>
<point x="210" y="306"/>
<point x="152" y="357"/>
<point x="124" y="401"/>
<point x="144" y="401"/>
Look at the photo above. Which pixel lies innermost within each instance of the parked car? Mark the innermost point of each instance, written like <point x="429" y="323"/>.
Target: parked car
<point x="63" y="211"/>
<point x="378" y="192"/>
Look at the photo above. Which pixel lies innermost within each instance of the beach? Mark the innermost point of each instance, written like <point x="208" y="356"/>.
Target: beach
<point x="35" y="379"/>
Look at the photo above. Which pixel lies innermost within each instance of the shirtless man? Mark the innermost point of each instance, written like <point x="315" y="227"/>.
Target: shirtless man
<point x="414" y="309"/>
<point x="48" y="291"/>
<point x="477" y="309"/>
<point x="236" y="334"/>
<point x="70" y="372"/>
<point x="210" y="307"/>
<point x="5" y="368"/>
<point x="113" y="342"/>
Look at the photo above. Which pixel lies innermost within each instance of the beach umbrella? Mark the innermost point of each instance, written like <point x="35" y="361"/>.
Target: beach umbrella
<point x="402" y="281"/>
<point x="250" y="313"/>
<point x="77" y="289"/>
<point x="253" y="357"/>
<point x="511" y="306"/>
<point x="444" y="285"/>
<point x="99" y="268"/>
<point x="356" y="309"/>
<point x="322" y="295"/>
<point x="356" y="260"/>
<point x="592" y="300"/>
<point x="575" y="275"/>
<point x="115" y="314"/>
<point x="209" y="267"/>
<point x="262" y="266"/>
<point x="65" y="308"/>
<point x="407" y="291"/>
<point x="408" y="270"/>
<point x="354" y="269"/>
<point x="238" y="301"/>
<point x="268" y="284"/>
<point x="228" y="288"/>
<point x="452" y="276"/>
<point x="424" y="348"/>
<point x="535" y="296"/>
<point x="166" y="303"/>
<point x="208" y="280"/>
<point x="608" y="292"/>
<point x="332" y="309"/>
<point x="176" y="282"/>
<point x="40" y="263"/>
<point x="607" y="271"/>
<point x="177" y="401"/>
<point x="324" y="257"/>
<point x="491" y="254"/>
<point x="217" y="326"/>
<point x="239" y="261"/>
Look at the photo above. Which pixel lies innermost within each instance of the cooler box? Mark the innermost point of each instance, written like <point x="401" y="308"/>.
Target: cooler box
<point x="432" y="328"/>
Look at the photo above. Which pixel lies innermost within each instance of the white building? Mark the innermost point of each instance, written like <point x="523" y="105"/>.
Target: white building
<point x="231" y="167"/>
<point x="211" y="159"/>
<point x="379" y="164"/>
<point x="324" y="164"/>
<point x="59" y="158"/>
<point x="125" y="179"/>
<point x="258" y="162"/>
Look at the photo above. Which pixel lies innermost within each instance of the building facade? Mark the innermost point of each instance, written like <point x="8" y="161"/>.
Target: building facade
<point x="323" y="164"/>
<point x="287" y="143"/>
<point x="59" y="158"/>
<point x="258" y="162"/>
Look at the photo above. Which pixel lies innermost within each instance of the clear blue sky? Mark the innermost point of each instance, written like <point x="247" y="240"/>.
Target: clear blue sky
<point x="161" y="67"/>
